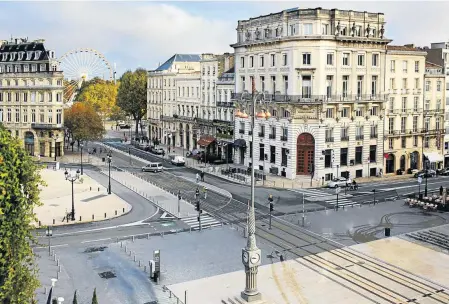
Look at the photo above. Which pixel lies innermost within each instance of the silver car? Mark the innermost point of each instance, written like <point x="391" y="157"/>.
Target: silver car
<point x="339" y="182"/>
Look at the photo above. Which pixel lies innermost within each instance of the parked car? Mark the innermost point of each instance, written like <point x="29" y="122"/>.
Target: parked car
<point x="157" y="150"/>
<point x="152" y="167"/>
<point x="444" y="172"/>
<point x="424" y="173"/>
<point x="339" y="182"/>
<point x="178" y="160"/>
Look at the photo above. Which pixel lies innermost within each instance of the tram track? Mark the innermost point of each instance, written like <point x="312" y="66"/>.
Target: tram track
<point x="360" y="270"/>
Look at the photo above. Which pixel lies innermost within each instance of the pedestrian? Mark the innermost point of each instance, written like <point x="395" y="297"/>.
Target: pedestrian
<point x="163" y="153"/>
<point x="169" y="149"/>
<point x="101" y="150"/>
<point x="441" y="190"/>
<point x="202" y="176"/>
<point x="205" y="192"/>
<point x="197" y="178"/>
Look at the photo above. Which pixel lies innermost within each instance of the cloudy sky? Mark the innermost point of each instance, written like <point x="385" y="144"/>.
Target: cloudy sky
<point x="142" y="34"/>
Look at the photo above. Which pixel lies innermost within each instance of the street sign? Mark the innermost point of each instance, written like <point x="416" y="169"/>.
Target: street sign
<point x="337" y="190"/>
<point x="419" y="179"/>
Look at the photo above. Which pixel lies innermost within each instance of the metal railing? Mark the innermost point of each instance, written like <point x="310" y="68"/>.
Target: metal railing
<point x="359" y="137"/>
<point x="344" y="138"/>
<point x="305" y="98"/>
<point x="284" y="138"/>
<point x="373" y="135"/>
<point x="272" y="136"/>
<point x="329" y="139"/>
<point x="261" y="134"/>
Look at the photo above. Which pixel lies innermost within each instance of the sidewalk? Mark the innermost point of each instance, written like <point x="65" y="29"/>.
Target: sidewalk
<point x="92" y="203"/>
<point x="164" y="200"/>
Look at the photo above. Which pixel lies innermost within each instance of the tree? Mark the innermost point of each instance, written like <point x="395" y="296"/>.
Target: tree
<point x="101" y="96"/>
<point x="94" y="297"/>
<point x="83" y="123"/>
<point x="132" y="95"/>
<point x="75" y="301"/>
<point x="19" y="195"/>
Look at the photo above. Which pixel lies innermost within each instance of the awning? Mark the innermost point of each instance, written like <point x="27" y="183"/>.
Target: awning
<point x="240" y="143"/>
<point x="206" y="140"/>
<point x="434" y="157"/>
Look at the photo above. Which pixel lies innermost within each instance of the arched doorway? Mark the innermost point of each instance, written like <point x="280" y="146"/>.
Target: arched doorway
<point x="414" y="160"/>
<point x="402" y="162"/>
<point x="29" y="142"/>
<point x="389" y="166"/>
<point x="305" y="154"/>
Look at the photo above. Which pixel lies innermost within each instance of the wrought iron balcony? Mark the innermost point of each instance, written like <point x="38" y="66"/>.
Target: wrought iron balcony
<point x="225" y="104"/>
<point x="344" y="138"/>
<point x="272" y="136"/>
<point x="284" y="138"/>
<point x="224" y="136"/>
<point x="329" y="139"/>
<point x="44" y="126"/>
<point x="359" y="137"/>
<point x="310" y="99"/>
<point x="261" y="134"/>
<point x="373" y="135"/>
<point x="241" y="131"/>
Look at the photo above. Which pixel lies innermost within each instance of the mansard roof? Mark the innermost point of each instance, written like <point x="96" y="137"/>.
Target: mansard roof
<point x="25" y="47"/>
<point x="179" y="58"/>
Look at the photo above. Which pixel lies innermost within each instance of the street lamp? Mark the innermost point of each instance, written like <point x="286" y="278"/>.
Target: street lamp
<point x="109" y="162"/>
<point x="72" y="178"/>
<point x="55" y="137"/>
<point x="49" y="233"/>
<point x="81" y="158"/>
<point x="426" y="174"/>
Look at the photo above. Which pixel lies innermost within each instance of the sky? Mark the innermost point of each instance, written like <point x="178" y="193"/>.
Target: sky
<point x="144" y="34"/>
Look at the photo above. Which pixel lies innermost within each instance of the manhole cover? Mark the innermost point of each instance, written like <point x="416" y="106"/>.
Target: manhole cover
<point x="95" y="249"/>
<point x="107" y="275"/>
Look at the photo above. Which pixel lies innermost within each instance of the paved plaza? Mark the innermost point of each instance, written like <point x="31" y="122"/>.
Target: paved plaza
<point x="91" y="200"/>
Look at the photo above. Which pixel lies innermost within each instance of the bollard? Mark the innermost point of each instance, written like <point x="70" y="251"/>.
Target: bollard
<point x="115" y="212"/>
<point x="80" y="218"/>
<point x="59" y="268"/>
<point x="139" y="263"/>
<point x="162" y="234"/>
<point x="39" y="223"/>
<point x="57" y="262"/>
<point x="57" y="275"/>
<point x="45" y="290"/>
<point x="105" y="215"/>
<point x="53" y="221"/>
<point x="133" y="238"/>
<point x="123" y="210"/>
<point x="98" y="189"/>
<point x="54" y="257"/>
<point x="93" y="217"/>
<point x="90" y="189"/>
<point x="126" y="248"/>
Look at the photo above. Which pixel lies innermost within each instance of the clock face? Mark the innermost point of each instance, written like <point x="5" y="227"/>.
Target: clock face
<point x="255" y="258"/>
<point x="245" y="257"/>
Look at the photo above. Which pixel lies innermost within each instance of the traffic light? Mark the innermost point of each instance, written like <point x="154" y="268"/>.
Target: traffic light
<point x="270" y="198"/>
<point x="197" y="206"/>
<point x="271" y="207"/>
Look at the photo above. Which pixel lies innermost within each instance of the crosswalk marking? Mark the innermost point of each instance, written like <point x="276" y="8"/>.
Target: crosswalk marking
<point x="309" y="193"/>
<point x="341" y="202"/>
<point x="206" y="221"/>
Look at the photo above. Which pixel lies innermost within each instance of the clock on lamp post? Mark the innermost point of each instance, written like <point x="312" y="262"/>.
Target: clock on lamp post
<point x="251" y="258"/>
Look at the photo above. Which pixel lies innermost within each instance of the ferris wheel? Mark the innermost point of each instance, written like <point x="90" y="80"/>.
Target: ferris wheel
<point x="82" y="65"/>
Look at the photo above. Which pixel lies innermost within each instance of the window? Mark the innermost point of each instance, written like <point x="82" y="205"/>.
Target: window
<point x="416" y="66"/>
<point x="373" y="131"/>
<point x="403" y="124"/>
<point x="415" y="103"/>
<point x="242" y="83"/>
<point x="285" y="80"/>
<point x="17" y="96"/>
<point x="390" y="143"/>
<point x="404" y="104"/>
<point x="329" y="135"/>
<point x="284" y="157"/>
<point x="359" y="86"/>
<point x="392" y="66"/>
<point x="33" y="115"/>
<point x="359" y="133"/>
<point x="284" y="60"/>
<point x="359" y="155"/>
<point x="415" y="124"/>
<point x="262" y="83"/>
<point x="261" y="152"/>
<point x="427" y="105"/>
<point x="308" y="29"/>
<point x="427" y="124"/>
<point x="273" y="60"/>
<point x="374" y="111"/>
<point x="361" y="60"/>
<point x="330" y="59"/>
<point x="50" y="116"/>
<point x="273" y="84"/>
<point x="375" y="60"/>
<point x="437" y="123"/>
<point x="391" y="125"/>
<point x="345" y="112"/>
<point x="392" y="83"/>
<point x="17" y="115"/>
<point x="404" y="66"/>
<point x="346" y="59"/>
<point x="416" y="83"/>
<point x="404" y="83"/>
<point x="330" y="113"/>
<point x="372" y="153"/>
<point x="251" y="61"/>
<point x="306" y="58"/>
<point x="329" y="80"/>
<point x="307" y="86"/>
<point x="427" y="86"/>
<point x="439" y="86"/>
<point x="273" y="154"/>
<point x="403" y="142"/>
<point x="41" y="116"/>
<point x="328" y="158"/>
<point x="345" y="86"/>
<point x="325" y="29"/>
<point x="343" y="156"/>
<point x="242" y="62"/>
<point x="59" y="116"/>
<point x="373" y="85"/>
<point x="426" y="142"/>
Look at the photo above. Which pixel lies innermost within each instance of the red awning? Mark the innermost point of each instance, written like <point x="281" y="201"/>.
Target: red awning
<point x="206" y="140"/>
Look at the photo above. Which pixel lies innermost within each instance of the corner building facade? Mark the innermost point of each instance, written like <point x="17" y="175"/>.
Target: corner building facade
<point x="319" y="76"/>
<point x="31" y="96"/>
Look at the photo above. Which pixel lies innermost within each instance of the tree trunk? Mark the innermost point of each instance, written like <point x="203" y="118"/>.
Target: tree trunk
<point x="137" y="127"/>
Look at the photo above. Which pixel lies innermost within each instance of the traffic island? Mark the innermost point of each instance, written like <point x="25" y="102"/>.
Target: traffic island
<point x="91" y="201"/>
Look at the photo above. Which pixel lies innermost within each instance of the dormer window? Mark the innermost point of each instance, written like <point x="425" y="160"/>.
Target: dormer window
<point x="20" y="55"/>
<point x="4" y="56"/>
<point x="54" y="68"/>
<point x="29" y="55"/>
<point x="13" y="56"/>
<point x="37" y="54"/>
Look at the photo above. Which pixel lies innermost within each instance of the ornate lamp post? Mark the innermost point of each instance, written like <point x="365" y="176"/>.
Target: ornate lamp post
<point x="109" y="163"/>
<point x="72" y="178"/>
<point x="55" y="137"/>
<point x="81" y="145"/>
<point x="251" y="255"/>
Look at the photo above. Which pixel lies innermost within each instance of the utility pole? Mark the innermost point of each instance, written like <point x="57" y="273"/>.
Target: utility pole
<point x="270" y="201"/>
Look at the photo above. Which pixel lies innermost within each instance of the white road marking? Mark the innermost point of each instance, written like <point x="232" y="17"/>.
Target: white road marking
<point x="52" y="246"/>
<point x="98" y="240"/>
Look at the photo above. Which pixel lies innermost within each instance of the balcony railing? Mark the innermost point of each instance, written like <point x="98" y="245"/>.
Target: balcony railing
<point x="225" y="104"/>
<point x="359" y="137"/>
<point x="261" y="134"/>
<point x="272" y="136"/>
<point x="329" y="139"/>
<point x="241" y="131"/>
<point x="373" y="135"/>
<point x="320" y="99"/>
<point x="43" y="126"/>
<point x="344" y="138"/>
<point x="224" y="136"/>
<point x="284" y="138"/>
<point x="250" y="132"/>
<point x="176" y="117"/>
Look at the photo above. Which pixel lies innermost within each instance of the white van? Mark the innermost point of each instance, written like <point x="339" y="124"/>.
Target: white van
<point x="152" y="167"/>
<point x="178" y="160"/>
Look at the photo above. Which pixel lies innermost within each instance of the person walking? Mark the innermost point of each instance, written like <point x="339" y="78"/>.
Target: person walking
<point x="197" y="178"/>
<point x="441" y="190"/>
<point x="202" y="176"/>
<point x="204" y="192"/>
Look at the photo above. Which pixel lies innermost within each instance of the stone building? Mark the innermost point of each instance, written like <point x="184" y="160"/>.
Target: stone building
<point x="318" y="78"/>
<point x="31" y="95"/>
<point x="162" y="96"/>
<point x="404" y="122"/>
